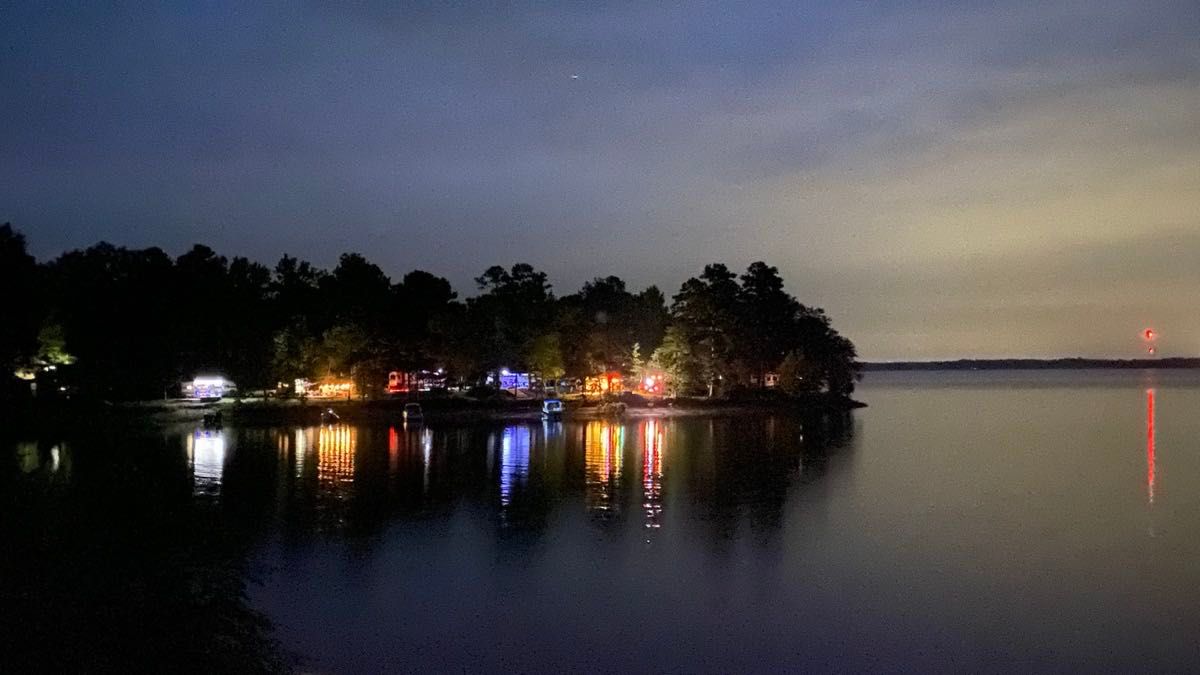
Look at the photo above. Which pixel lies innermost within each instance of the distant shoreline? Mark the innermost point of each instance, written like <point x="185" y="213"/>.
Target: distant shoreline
<point x="1035" y="364"/>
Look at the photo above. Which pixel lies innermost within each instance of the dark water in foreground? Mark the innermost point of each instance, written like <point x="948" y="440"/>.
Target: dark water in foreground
<point x="974" y="521"/>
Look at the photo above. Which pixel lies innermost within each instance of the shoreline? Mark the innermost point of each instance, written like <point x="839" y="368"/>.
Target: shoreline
<point x="272" y="412"/>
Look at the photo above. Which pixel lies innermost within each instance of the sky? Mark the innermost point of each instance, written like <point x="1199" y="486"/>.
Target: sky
<point x="946" y="179"/>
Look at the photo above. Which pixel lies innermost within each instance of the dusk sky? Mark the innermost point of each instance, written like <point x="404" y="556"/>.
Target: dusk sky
<point x="947" y="179"/>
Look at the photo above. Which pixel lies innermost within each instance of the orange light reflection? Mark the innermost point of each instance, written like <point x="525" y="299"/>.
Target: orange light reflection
<point x="603" y="448"/>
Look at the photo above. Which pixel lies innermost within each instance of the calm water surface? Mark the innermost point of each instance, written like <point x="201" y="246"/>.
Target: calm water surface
<point x="965" y="521"/>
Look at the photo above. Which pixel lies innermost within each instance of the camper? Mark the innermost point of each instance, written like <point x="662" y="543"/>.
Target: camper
<point x="412" y="412"/>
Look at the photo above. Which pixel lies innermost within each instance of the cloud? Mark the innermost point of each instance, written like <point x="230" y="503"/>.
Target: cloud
<point x="893" y="160"/>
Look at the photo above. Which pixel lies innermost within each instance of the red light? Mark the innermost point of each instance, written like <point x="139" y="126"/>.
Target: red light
<point x="1149" y="334"/>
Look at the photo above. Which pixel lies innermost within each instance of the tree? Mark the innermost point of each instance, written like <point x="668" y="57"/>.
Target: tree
<point x="512" y="309"/>
<point x="23" y="306"/>
<point x="357" y="291"/>
<point x="797" y="376"/>
<point x="768" y="320"/>
<point x="706" y="308"/>
<point x="423" y="307"/>
<point x="736" y="330"/>
<point x="294" y="353"/>
<point x="340" y="349"/>
<point x="833" y="356"/>
<point x="295" y="289"/>
<point x="246" y="354"/>
<point x="121" y="317"/>
<point x="649" y="318"/>
<point x="545" y="356"/>
<point x="637" y="366"/>
<point x="600" y="329"/>
<point x="603" y="321"/>
<point x="52" y="345"/>
<point x="137" y="322"/>
<point x="674" y="358"/>
<point x="200" y="285"/>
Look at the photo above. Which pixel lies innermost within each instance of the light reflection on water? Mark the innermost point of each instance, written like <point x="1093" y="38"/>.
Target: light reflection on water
<point x="326" y="461"/>
<point x="1044" y="527"/>
<point x="515" y="442"/>
<point x="205" y="450"/>
<point x="50" y="459"/>
<point x="336" y="446"/>
<point x="604" y="453"/>
<point x="1150" y="445"/>
<point x="652" y="471"/>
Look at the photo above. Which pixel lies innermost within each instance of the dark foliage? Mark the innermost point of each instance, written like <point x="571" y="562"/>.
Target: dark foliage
<point x="23" y="304"/>
<point x="137" y="323"/>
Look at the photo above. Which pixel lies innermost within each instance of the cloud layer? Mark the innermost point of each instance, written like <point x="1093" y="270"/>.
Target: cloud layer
<point x="947" y="179"/>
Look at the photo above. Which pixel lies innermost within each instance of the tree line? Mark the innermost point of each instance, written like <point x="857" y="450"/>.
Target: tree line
<point x="132" y="323"/>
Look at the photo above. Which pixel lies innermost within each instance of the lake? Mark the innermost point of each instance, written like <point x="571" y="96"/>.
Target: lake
<point x="1000" y="521"/>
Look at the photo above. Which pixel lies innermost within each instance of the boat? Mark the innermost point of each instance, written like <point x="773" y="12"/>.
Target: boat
<point x="412" y="412"/>
<point x="552" y="409"/>
<point x="330" y="417"/>
<point x="212" y="420"/>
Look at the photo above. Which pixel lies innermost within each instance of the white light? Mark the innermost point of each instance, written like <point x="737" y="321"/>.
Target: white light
<point x="504" y="371"/>
<point x="208" y="382"/>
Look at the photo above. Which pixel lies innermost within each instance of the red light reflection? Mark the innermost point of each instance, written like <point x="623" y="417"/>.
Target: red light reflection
<point x="1150" y="444"/>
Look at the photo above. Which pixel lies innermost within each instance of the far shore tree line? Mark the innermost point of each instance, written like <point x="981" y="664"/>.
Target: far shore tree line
<point x="131" y="324"/>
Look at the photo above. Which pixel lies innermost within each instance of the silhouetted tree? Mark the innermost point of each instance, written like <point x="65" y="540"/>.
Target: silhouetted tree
<point x="23" y="305"/>
<point x="120" y="316"/>
<point x="424" y="307"/>
<point x="295" y="290"/>
<point x="246" y="355"/>
<point x="513" y="308"/>
<point x="707" y="313"/>
<point x="201" y="327"/>
<point x="357" y="292"/>
<point x="603" y="321"/>
<point x="138" y="322"/>
<point x="734" y="332"/>
<point x="650" y="318"/>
